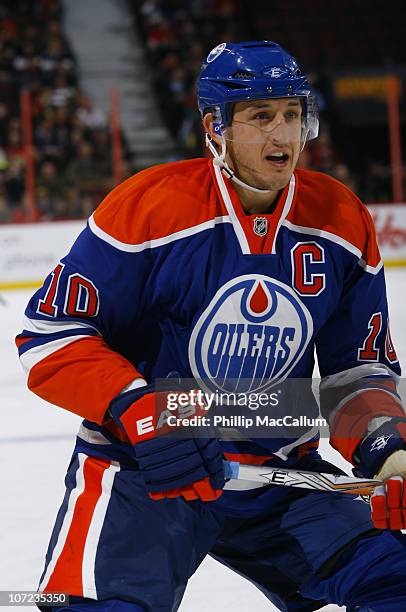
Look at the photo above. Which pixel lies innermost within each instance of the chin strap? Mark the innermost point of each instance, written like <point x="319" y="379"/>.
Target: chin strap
<point x="219" y="159"/>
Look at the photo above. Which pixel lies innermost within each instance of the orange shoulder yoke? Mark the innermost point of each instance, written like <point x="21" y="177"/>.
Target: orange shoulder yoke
<point x="324" y="203"/>
<point x="159" y="201"/>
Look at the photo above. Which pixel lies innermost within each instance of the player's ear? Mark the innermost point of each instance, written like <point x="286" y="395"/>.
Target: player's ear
<point x="208" y="127"/>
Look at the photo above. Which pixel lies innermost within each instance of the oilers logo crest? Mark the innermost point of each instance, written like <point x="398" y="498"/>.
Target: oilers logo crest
<point x="251" y="335"/>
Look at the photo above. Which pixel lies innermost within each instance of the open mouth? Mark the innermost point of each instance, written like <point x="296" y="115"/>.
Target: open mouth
<point x="278" y="159"/>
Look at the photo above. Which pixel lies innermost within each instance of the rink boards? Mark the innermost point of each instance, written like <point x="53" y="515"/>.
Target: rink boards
<point x="29" y="251"/>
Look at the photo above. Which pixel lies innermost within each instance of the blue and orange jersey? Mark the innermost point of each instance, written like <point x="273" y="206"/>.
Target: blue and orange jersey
<point x="171" y="275"/>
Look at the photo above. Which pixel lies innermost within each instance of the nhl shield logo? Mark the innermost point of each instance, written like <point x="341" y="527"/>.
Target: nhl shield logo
<point x="260" y="226"/>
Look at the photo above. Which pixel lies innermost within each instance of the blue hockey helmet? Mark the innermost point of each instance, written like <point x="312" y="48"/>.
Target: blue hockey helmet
<point x="255" y="70"/>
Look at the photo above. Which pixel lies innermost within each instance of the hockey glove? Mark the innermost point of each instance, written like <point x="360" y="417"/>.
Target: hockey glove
<point x="382" y="454"/>
<point x="170" y="466"/>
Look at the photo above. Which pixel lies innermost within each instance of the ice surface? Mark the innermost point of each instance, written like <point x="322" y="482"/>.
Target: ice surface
<point x="36" y="440"/>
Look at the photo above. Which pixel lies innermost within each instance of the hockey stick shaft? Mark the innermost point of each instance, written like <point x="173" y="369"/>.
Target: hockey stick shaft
<point x="315" y="481"/>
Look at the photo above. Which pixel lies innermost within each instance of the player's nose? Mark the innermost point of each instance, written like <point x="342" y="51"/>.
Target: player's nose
<point x="277" y="121"/>
<point x="279" y="132"/>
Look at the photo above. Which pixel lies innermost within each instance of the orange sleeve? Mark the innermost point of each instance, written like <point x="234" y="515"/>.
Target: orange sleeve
<point x="82" y="377"/>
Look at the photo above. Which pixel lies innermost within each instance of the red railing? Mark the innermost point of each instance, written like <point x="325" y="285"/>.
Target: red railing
<point x="30" y="204"/>
<point x="394" y="139"/>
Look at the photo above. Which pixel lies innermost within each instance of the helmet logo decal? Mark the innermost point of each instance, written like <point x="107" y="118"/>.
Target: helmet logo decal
<point x="251" y="335"/>
<point x="275" y="72"/>
<point x="260" y="226"/>
<point x="214" y="53"/>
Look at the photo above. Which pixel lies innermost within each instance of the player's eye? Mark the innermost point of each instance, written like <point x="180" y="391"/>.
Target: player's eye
<point x="291" y="115"/>
<point x="263" y="116"/>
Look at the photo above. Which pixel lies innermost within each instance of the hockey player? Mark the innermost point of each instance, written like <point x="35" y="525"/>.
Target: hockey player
<point x="230" y="269"/>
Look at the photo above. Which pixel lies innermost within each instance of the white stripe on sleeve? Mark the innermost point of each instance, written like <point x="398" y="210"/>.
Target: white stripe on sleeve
<point x="36" y="354"/>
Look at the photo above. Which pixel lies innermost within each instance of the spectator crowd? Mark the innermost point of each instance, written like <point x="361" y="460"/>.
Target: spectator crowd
<point x="72" y="148"/>
<point x="178" y="33"/>
<point x="72" y="143"/>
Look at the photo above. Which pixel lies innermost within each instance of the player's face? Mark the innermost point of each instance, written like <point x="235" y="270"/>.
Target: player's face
<point x="263" y="143"/>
